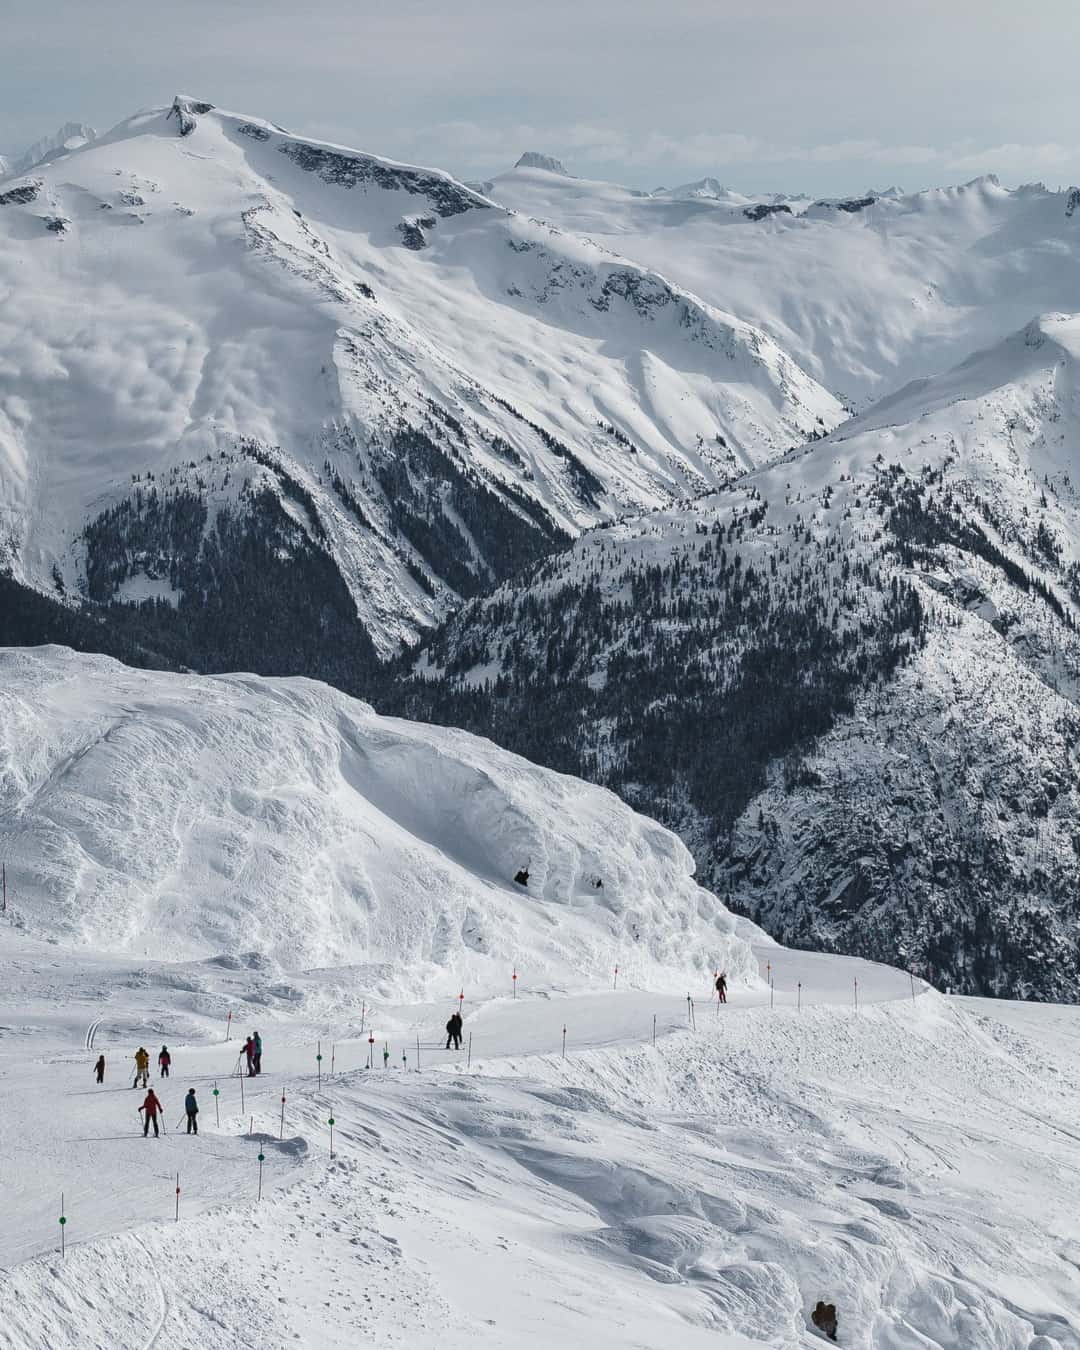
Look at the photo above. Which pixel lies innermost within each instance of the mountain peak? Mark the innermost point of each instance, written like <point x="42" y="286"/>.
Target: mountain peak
<point x="71" y="136"/>
<point x="532" y="160"/>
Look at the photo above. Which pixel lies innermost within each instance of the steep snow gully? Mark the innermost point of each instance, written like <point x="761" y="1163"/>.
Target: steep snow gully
<point x="612" y="1158"/>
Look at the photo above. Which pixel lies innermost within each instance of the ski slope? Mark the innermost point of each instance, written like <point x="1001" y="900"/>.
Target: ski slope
<point x="914" y="1161"/>
<point x="677" y="1172"/>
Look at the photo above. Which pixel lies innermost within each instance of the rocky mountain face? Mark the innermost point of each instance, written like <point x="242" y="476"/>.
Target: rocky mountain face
<point x="851" y="681"/>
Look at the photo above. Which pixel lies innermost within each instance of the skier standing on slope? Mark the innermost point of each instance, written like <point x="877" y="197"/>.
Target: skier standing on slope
<point x="99" y="1069"/>
<point x="721" y="987"/>
<point x="142" y="1068"/>
<point x="256" y="1041"/>
<point x="249" y="1051"/>
<point x="453" y="1031"/>
<point x="153" y="1108"/>
<point x="191" y="1110"/>
<point x="164" y="1060"/>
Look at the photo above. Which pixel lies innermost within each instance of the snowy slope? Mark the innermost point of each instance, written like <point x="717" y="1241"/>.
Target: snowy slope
<point x="913" y="1161"/>
<point x="865" y="293"/>
<point x="188" y="816"/>
<point x="851" y="681"/>
<point x="421" y="386"/>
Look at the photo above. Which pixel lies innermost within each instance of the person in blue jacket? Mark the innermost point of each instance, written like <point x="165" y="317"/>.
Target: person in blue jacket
<point x="191" y="1110"/>
<point x="258" y="1052"/>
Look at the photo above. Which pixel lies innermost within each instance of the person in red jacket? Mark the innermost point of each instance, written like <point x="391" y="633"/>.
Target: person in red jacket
<point x="249" y="1050"/>
<point x="153" y="1108"/>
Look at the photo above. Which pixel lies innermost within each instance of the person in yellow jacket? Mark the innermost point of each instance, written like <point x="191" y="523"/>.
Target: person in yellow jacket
<point x="142" y="1068"/>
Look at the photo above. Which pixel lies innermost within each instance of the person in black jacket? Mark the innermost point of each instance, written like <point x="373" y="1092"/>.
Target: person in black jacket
<point x="99" y="1069"/>
<point x="191" y="1110"/>
<point x="453" y="1031"/>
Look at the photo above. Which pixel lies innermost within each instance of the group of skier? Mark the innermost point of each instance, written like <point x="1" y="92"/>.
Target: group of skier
<point x="253" y="1052"/>
<point x="152" y="1106"/>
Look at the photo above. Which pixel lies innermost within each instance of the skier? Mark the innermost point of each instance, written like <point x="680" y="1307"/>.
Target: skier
<point x="142" y="1068"/>
<point x="191" y="1110"/>
<point x="256" y="1041"/>
<point x="249" y="1051"/>
<point x="153" y="1107"/>
<point x="824" y="1318"/>
<point x="721" y="987"/>
<point x="453" y="1031"/>
<point x="99" y="1068"/>
<point x="164" y="1060"/>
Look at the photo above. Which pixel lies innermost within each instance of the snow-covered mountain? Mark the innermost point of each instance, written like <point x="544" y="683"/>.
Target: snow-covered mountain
<point x="852" y="681"/>
<point x="71" y="136"/>
<point x="866" y="293"/>
<point x="185" y="816"/>
<point x="217" y="333"/>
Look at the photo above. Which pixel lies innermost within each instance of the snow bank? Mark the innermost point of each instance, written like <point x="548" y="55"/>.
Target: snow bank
<point x="183" y="816"/>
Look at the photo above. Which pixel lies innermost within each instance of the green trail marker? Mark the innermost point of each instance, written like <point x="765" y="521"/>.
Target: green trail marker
<point x="330" y="1122"/>
<point x="318" y="1061"/>
<point x="63" y="1222"/>
<point x="217" y="1108"/>
<point x="262" y="1159"/>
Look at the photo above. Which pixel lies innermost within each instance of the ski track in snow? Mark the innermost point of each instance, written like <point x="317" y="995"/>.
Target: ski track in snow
<point x="696" y="1193"/>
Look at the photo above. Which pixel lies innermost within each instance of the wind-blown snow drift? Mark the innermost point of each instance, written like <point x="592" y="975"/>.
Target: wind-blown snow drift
<point x="187" y="815"/>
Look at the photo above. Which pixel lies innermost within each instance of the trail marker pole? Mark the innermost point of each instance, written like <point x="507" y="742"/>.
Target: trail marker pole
<point x="799" y="1004"/>
<point x="654" y="1030"/>
<point x="615" y="982"/>
<point x="318" y="1062"/>
<point x="772" y="993"/>
<point x="243" y="1108"/>
<point x="371" y="1050"/>
<point x="564" y="1042"/>
<point x="330" y="1122"/>
<point x="690" y="1018"/>
<point x="333" y="1052"/>
<point x="912" y="979"/>
<point x="3" y="884"/>
<point x="513" y="979"/>
<point x="178" y="1197"/>
<point x="63" y="1222"/>
<point x="217" y="1107"/>
<point x="251" y="1126"/>
<point x="404" y="1062"/>
<point x="468" y="1062"/>
<point x="856" y="978"/>
<point x="228" y="1026"/>
<point x="363" y="1013"/>
<point x="460" y="1001"/>
<point x="418" y="1053"/>
<point x="281" y="1132"/>
<point x="262" y="1159"/>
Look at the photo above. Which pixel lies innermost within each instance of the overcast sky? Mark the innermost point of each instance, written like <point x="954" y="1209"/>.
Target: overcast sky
<point x="825" y="96"/>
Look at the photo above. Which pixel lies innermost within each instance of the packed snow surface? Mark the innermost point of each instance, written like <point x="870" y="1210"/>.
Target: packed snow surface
<point x="609" y="1160"/>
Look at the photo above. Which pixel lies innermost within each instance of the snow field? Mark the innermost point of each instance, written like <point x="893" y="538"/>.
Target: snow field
<point x="915" y="1161"/>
